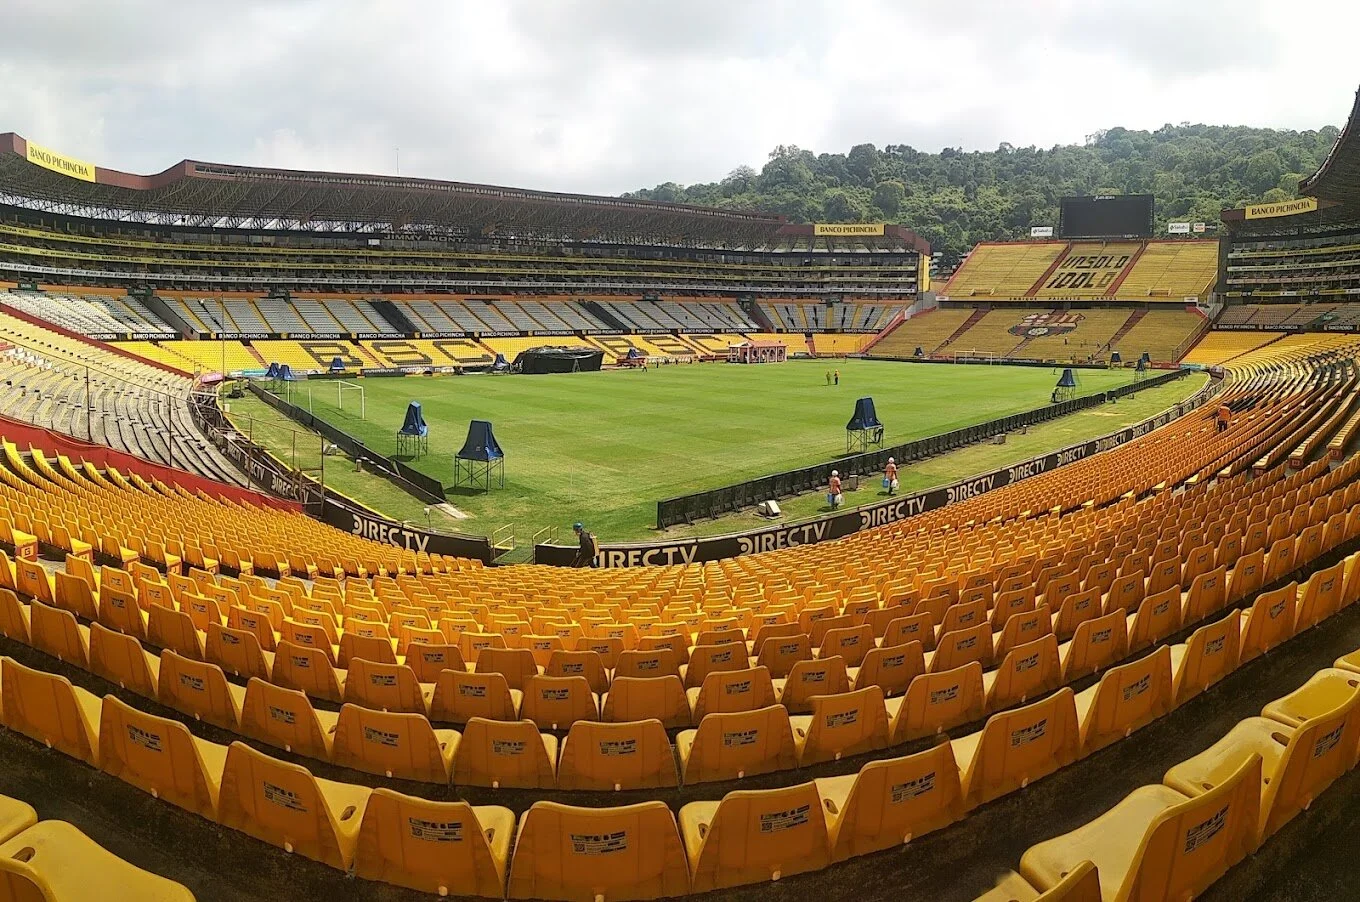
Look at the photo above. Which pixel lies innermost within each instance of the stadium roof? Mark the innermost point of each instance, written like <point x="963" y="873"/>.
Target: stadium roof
<point x="1338" y="178"/>
<point x="216" y="195"/>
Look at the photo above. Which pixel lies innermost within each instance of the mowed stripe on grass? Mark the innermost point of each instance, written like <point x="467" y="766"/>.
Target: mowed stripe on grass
<point x="604" y="447"/>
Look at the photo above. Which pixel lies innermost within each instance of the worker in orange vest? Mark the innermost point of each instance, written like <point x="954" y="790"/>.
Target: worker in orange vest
<point x="834" y="496"/>
<point x="890" y="476"/>
<point x="1224" y="417"/>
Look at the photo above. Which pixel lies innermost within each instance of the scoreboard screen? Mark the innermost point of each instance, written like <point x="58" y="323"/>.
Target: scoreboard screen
<point x="1106" y="216"/>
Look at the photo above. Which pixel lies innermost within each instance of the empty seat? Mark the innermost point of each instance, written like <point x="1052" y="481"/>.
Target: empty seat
<point x="1018" y="746"/>
<point x="15" y="817"/>
<point x="448" y="848"/>
<point x="511" y="754"/>
<point x="426" y="661"/>
<point x="936" y="702"/>
<point x="891" y="668"/>
<point x="56" y="632"/>
<point x="1127" y="698"/>
<point x="585" y="663"/>
<point x="892" y="801"/>
<point x="630" y="852"/>
<point x="1027" y="671"/>
<point x="825" y="676"/>
<point x="308" y="670"/>
<point x="285" y="719"/>
<point x="120" y="659"/>
<point x="735" y="690"/>
<point x="384" y="687"/>
<point x="284" y="805"/>
<point x="555" y="703"/>
<point x="752" y="836"/>
<point x="848" y="723"/>
<point x="46" y="707"/>
<point x="662" y="698"/>
<point x="515" y="664"/>
<point x="736" y="745"/>
<point x="160" y="756"/>
<point x="616" y="756"/>
<point x="1158" y="843"/>
<point x="460" y="696"/>
<point x="393" y="744"/>
<point x="53" y="861"/>
<point x="200" y="689"/>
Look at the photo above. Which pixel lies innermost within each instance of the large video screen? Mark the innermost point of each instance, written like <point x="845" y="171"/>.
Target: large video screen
<point x="1106" y="216"/>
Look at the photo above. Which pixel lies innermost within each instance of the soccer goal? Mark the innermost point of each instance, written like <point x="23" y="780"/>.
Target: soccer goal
<point x="352" y="392"/>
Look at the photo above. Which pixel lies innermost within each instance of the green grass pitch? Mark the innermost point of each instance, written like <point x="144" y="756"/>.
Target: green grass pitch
<point x="604" y="447"/>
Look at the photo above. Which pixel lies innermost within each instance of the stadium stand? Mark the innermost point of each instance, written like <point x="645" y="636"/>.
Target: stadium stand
<point x="1089" y="269"/>
<point x="1164" y="334"/>
<point x="1006" y="271"/>
<point x="1217" y="348"/>
<point x="1172" y="270"/>
<point x="926" y="331"/>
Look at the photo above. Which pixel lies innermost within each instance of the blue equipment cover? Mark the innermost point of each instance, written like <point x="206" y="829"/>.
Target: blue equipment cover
<point x="286" y="373"/>
<point x="337" y="364"/>
<point x="481" y="443"/>
<point x="273" y="371"/>
<point x="1068" y="380"/>
<point x="415" y="421"/>
<point x="865" y="417"/>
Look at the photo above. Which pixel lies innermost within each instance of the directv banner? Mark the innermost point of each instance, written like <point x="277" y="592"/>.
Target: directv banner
<point x="839" y="526"/>
<point x="404" y="537"/>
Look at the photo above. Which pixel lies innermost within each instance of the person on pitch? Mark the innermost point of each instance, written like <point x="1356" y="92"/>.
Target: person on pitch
<point x="834" y="496"/>
<point x="890" y="476"/>
<point x="589" y="548"/>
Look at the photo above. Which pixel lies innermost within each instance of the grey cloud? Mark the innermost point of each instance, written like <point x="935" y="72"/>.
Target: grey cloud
<point x="610" y="95"/>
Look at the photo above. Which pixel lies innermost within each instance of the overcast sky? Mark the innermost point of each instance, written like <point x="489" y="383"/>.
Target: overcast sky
<point x="607" y="96"/>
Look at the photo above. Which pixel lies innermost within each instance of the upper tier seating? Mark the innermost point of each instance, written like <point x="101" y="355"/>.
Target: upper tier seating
<point x="1089" y="269"/>
<point x="1006" y="271"/>
<point x="1172" y="269"/>
<point x="926" y="331"/>
<point x="1217" y="348"/>
<point x="1161" y="333"/>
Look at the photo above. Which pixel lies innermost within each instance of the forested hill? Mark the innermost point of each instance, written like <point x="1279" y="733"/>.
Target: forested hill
<point x="956" y="198"/>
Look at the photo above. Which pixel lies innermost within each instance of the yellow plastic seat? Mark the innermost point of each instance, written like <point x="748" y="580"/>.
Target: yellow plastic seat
<point x="1027" y="671"/>
<point x="555" y="703"/>
<point x="460" y="696"/>
<point x="778" y="654"/>
<point x="201" y="690"/>
<point x="393" y="744"/>
<point x="961" y="647"/>
<point x="427" y="660"/>
<point x="753" y="836"/>
<point x="1268" y="622"/>
<point x="724" y="691"/>
<point x="365" y="640"/>
<point x="616" y="756"/>
<point x="736" y="745"/>
<point x="1208" y="656"/>
<point x="284" y="805"/>
<point x="891" y="668"/>
<point x="160" y="756"/>
<point x="510" y="754"/>
<point x="15" y="817"/>
<point x="57" y="633"/>
<point x="307" y="670"/>
<point x="570" y="853"/>
<point x="285" y="719"/>
<point x="936" y="702"/>
<point x="47" y="708"/>
<point x="587" y="664"/>
<point x="1158" y="843"/>
<point x="705" y="659"/>
<point x="515" y="664"/>
<point x="237" y="651"/>
<point x="891" y="801"/>
<point x="14" y="618"/>
<point x="660" y="698"/>
<point x="1096" y="644"/>
<point x="447" y="848"/>
<point x="646" y="663"/>
<point x="1082" y="884"/>
<point x="1127" y="698"/>
<point x="1017" y="747"/>
<point x="848" y="723"/>
<point x="384" y="687"/>
<point x="175" y="630"/>
<point x="120" y="659"/>
<point x="75" y="595"/>
<point x="1297" y="763"/>
<point x="851" y="643"/>
<point x="1323" y="692"/>
<point x="824" y="676"/>
<point x="54" y="862"/>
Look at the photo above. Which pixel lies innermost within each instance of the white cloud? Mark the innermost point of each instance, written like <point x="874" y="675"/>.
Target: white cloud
<point x="611" y="95"/>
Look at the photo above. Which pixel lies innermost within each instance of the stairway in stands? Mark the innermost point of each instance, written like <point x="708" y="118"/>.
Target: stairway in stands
<point x="396" y="319"/>
<point x="973" y="319"/>
<point x="254" y="352"/>
<point x="1133" y="320"/>
<point x="898" y="319"/>
<point x="604" y="316"/>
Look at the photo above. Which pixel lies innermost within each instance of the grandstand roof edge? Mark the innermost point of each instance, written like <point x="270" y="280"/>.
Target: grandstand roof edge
<point x="1344" y="155"/>
<point x="12" y="142"/>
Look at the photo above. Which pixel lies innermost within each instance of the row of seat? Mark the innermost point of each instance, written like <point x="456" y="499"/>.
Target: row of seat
<point x="1174" y="839"/>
